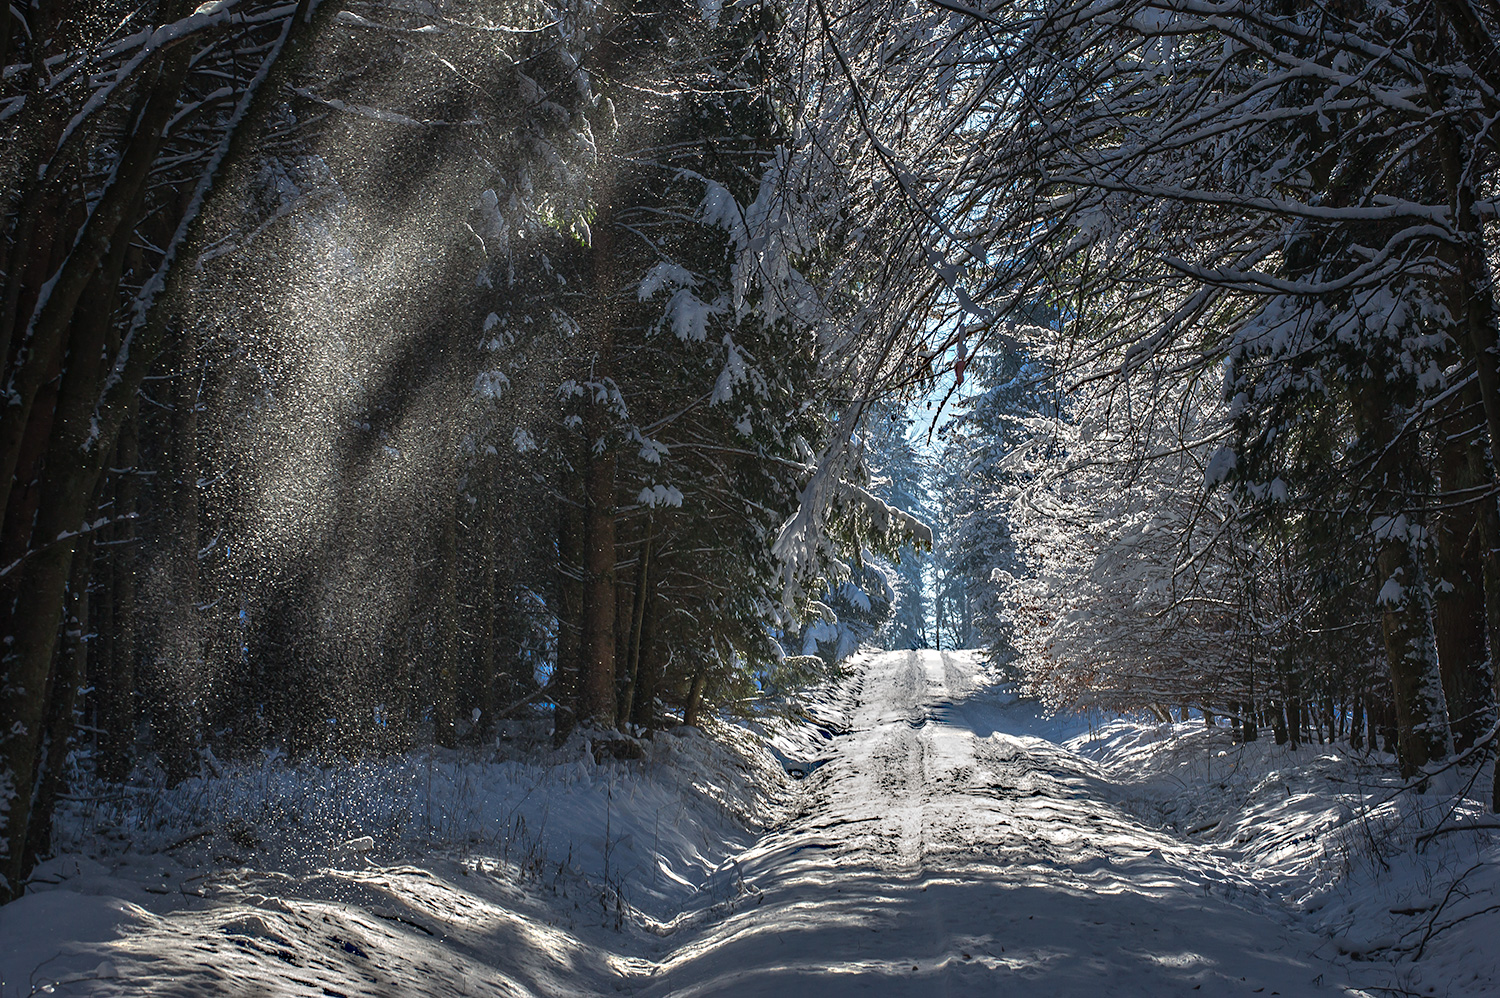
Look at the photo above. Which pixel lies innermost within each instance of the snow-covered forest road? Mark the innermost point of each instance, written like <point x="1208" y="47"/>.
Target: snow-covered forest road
<point x="938" y="846"/>
<point x="946" y="852"/>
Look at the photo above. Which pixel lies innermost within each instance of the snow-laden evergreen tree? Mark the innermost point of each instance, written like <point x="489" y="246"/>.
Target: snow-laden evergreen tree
<point x="1004" y="386"/>
<point x="901" y="474"/>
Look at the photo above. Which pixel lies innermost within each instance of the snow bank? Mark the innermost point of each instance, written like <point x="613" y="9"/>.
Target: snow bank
<point x="1337" y="838"/>
<point x="653" y="829"/>
<point x="517" y="865"/>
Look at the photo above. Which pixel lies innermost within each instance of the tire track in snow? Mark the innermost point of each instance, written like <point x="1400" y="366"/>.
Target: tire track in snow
<point x="943" y="855"/>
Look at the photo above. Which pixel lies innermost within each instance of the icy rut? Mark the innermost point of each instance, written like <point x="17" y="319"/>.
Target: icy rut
<point x="939" y="850"/>
<point x="943" y="855"/>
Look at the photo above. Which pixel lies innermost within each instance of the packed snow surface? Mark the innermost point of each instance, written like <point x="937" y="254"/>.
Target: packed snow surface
<point x="943" y="854"/>
<point x="916" y="830"/>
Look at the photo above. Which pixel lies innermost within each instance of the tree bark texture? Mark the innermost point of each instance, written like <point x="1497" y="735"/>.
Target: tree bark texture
<point x="598" y="698"/>
<point x="1460" y="613"/>
<point x="694" y="705"/>
<point x="447" y="650"/>
<point x="114" y="679"/>
<point x="565" y="679"/>
<point x="643" y="583"/>
<point x="71" y="675"/>
<point x="1411" y="655"/>
<point x="597" y="688"/>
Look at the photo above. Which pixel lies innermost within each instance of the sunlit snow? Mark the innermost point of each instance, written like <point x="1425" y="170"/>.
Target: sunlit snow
<point x="948" y="838"/>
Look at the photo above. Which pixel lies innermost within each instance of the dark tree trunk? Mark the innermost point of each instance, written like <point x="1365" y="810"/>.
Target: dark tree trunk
<point x="694" y="705"/>
<point x="35" y="622"/>
<point x="643" y="582"/>
<point x="1411" y="655"/>
<point x="1472" y="303"/>
<point x="114" y="678"/>
<point x="1401" y="593"/>
<point x="445" y="630"/>
<point x="1388" y="731"/>
<point x="565" y="679"/>
<point x="597" y="697"/>
<point x="1460" y="616"/>
<point x="597" y="693"/>
<point x="494" y="693"/>
<point x="1292" y="709"/>
<point x="182" y="683"/>
<point x="69" y="678"/>
<point x="652" y="665"/>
